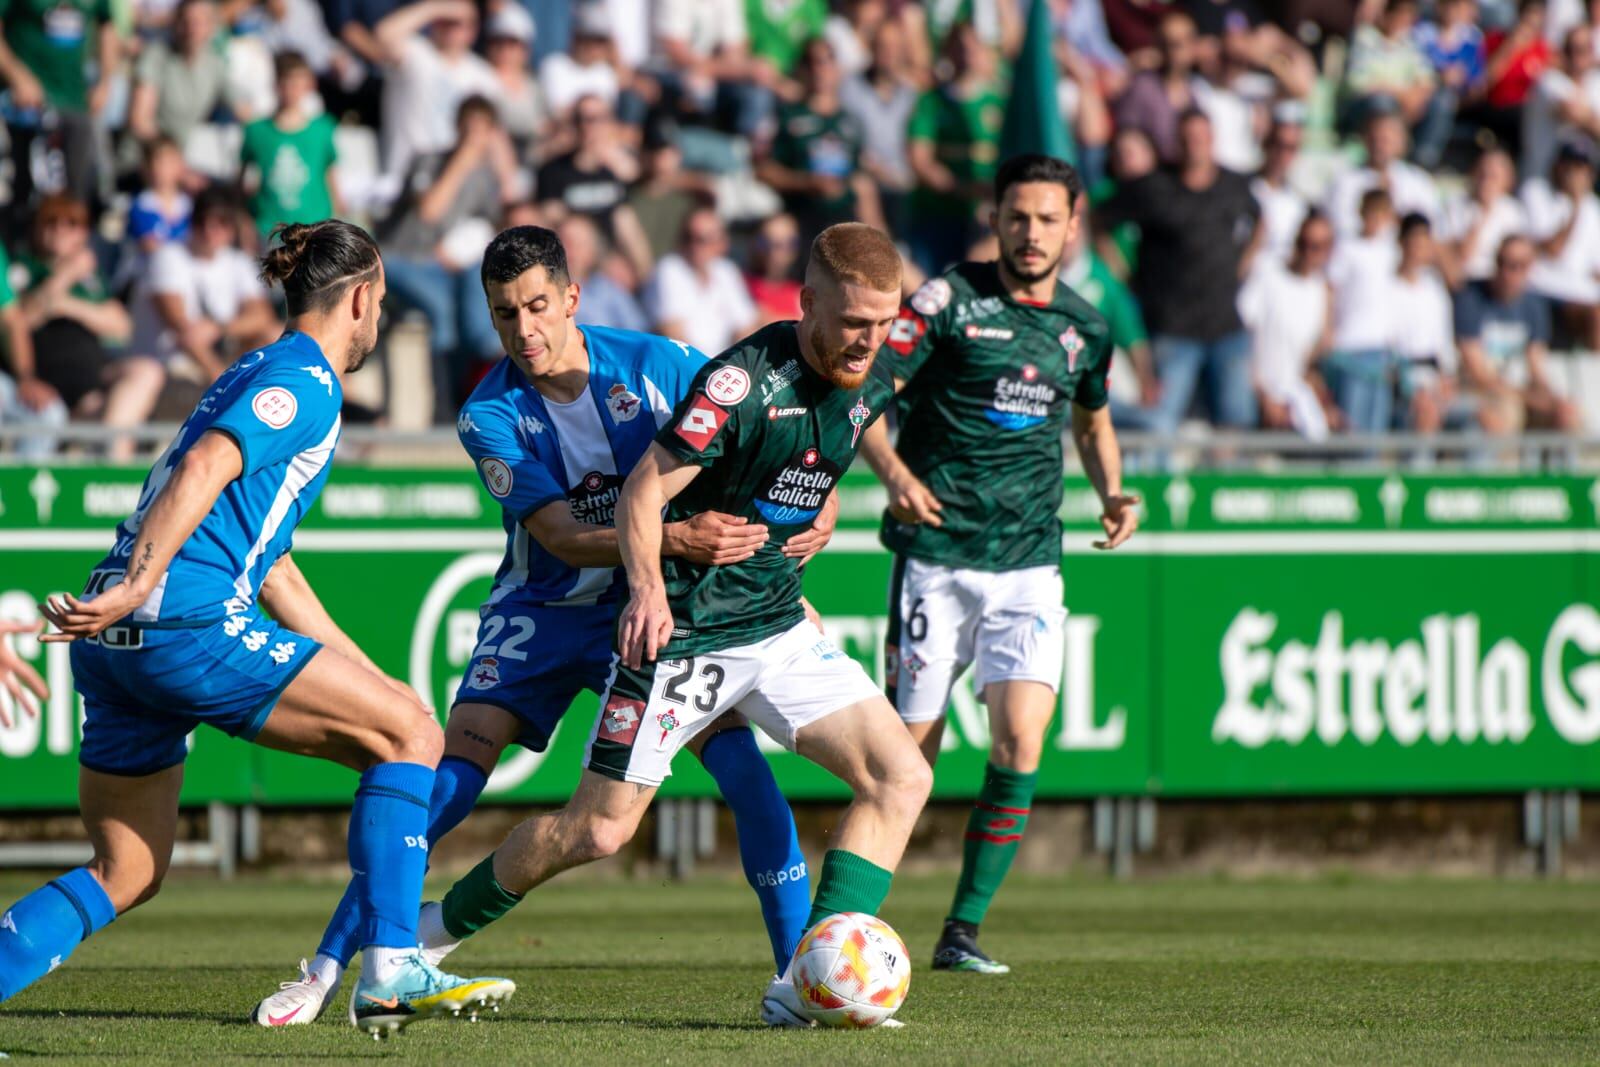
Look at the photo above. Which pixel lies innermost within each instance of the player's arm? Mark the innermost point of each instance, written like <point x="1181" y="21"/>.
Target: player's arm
<point x="1096" y="441"/>
<point x="646" y="623"/>
<point x="178" y="509"/>
<point x="910" y="501"/>
<point x="709" y="538"/>
<point x="26" y="693"/>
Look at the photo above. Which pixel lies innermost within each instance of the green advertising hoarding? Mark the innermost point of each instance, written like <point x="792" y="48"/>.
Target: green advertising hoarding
<point x="1260" y="635"/>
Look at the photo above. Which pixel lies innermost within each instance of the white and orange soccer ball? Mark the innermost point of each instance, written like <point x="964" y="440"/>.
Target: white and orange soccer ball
<point x="851" y="971"/>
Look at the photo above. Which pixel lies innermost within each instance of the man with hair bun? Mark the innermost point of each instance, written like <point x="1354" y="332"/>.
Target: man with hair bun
<point x="199" y="615"/>
<point x="763" y="434"/>
<point x="996" y="360"/>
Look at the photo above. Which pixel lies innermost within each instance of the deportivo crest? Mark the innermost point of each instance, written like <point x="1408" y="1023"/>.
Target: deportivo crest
<point x="858" y="418"/>
<point x="1073" y="344"/>
<point x="933" y="297"/>
<point x="623" y="405"/>
<point x="728" y="385"/>
<point x="485" y="674"/>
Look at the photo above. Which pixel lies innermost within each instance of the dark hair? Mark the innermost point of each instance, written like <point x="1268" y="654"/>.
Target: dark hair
<point x="317" y="263"/>
<point x="287" y="62"/>
<point x="515" y="251"/>
<point x="1414" y="220"/>
<point x="158" y="144"/>
<point x="216" y="200"/>
<point x="1376" y="199"/>
<point x="477" y="104"/>
<point x="1033" y="167"/>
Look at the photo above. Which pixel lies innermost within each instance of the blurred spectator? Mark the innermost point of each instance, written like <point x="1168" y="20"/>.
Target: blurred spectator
<point x="1157" y="97"/>
<point x="814" y="161"/>
<point x="997" y="23"/>
<point x="178" y="87"/>
<point x="1454" y="49"/>
<point x="1088" y="276"/>
<point x="1517" y="57"/>
<point x="1083" y="109"/>
<point x="1386" y="63"/>
<point x="697" y="294"/>
<point x="508" y="41"/>
<point x="774" y="252"/>
<point x="160" y="213"/>
<point x="953" y="144"/>
<point x="1478" y="219"/>
<point x="1360" y="368"/>
<point x="289" y="158"/>
<point x="1503" y="335"/>
<point x="49" y="48"/>
<point x="881" y="98"/>
<point x="702" y="61"/>
<point x="601" y="301"/>
<point x="431" y="70"/>
<point x="592" y="180"/>
<point x="662" y="198"/>
<point x="26" y="400"/>
<point x="1236" y="118"/>
<point x="1410" y="188"/>
<point x="1132" y="157"/>
<point x="779" y="31"/>
<point x="1238" y="31"/>
<point x="1423" y="337"/>
<point x="591" y="68"/>
<point x="434" y="242"/>
<point x="1564" y="104"/>
<point x="298" y="26"/>
<point x="853" y="30"/>
<point x="76" y="324"/>
<point x="1133" y="26"/>
<point x="1081" y="26"/>
<point x="1283" y="209"/>
<point x="1199" y="228"/>
<point x="1564" y="221"/>
<point x="1287" y="306"/>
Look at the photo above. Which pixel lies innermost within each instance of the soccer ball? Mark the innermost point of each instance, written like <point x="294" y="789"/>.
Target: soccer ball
<point x="851" y="971"/>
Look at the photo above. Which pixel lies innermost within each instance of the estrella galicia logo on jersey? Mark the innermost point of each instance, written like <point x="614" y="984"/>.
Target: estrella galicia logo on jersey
<point x="858" y="418"/>
<point x="276" y="407"/>
<point x="1022" y="402"/>
<point x="496" y="477"/>
<point x="1072" y="343"/>
<point x="485" y="674"/>
<point x="794" y="493"/>
<point x="728" y="385"/>
<point x="701" y="422"/>
<point x="623" y="405"/>
<point x="594" y="499"/>
<point x="906" y="331"/>
<point x="621" y="718"/>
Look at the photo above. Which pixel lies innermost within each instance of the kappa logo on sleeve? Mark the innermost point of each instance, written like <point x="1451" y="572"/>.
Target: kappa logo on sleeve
<point x="701" y="423"/>
<point x="276" y="407"/>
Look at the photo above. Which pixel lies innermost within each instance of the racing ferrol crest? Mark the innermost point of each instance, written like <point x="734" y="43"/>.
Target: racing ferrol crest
<point x="1073" y="344"/>
<point x="623" y="405"/>
<point x="858" y="418"/>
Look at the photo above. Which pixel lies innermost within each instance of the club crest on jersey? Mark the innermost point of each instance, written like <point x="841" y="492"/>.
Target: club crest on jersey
<point x="1073" y="344"/>
<point x="911" y="665"/>
<point x="623" y="405"/>
<point x="496" y="477"/>
<point x="485" y="674"/>
<point x="728" y="385"/>
<point x="668" y="723"/>
<point x="620" y="721"/>
<point x="701" y="423"/>
<point x="858" y="418"/>
<point x="933" y="297"/>
<point x="276" y="407"/>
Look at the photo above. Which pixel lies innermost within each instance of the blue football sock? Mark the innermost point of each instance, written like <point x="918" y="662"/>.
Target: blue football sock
<point x="42" y="929"/>
<point x="456" y="786"/>
<point x="389" y="851"/>
<point x="769" y="848"/>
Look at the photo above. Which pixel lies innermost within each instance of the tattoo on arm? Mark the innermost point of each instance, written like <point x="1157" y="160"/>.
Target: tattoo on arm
<point x="479" y="738"/>
<point x="144" y="561"/>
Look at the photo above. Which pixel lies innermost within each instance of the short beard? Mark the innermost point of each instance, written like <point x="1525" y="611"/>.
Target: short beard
<point x="833" y="365"/>
<point x="1049" y="270"/>
<point x="360" y="349"/>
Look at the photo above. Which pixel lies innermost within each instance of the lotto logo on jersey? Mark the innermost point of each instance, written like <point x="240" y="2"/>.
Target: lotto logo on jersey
<point x="907" y="330"/>
<point x="276" y="407"/>
<point x="728" y="385"/>
<point x="701" y="423"/>
<point x="620" y="720"/>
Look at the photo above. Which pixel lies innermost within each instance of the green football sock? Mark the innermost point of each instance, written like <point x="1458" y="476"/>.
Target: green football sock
<point x="848" y="883"/>
<point x="994" y="833"/>
<point x="476" y="901"/>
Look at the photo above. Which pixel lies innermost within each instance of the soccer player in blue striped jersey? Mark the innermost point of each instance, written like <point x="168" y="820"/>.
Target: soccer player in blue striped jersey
<point x="170" y="633"/>
<point x="554" y="429"/>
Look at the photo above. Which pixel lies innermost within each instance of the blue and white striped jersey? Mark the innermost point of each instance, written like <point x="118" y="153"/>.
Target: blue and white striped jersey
<point x="530" y="451"/>
<point x="281" y="405"/>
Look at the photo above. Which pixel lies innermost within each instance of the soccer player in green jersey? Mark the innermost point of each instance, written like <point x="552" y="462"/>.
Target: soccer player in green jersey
<point x="994" y="360"/>
<point x="763" y="434"/>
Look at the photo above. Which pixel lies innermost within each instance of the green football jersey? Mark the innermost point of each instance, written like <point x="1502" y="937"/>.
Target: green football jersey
<point x="773" y="436"/>
<point x="989" y="384"/>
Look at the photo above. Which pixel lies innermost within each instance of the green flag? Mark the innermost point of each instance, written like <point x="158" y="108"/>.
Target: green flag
<point x="1033" y="116"/>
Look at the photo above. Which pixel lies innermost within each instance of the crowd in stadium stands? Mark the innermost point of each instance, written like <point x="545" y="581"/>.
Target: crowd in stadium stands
<point x="1322" y="216"/>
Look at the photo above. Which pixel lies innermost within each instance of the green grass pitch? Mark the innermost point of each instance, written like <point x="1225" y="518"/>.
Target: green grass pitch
<point x="1164" y="972"/>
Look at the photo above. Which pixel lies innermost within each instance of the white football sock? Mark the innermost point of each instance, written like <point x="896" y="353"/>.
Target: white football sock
<point x="431" y="933"/>
<point x="326" y="970"/>
<point x="379" y="963"/>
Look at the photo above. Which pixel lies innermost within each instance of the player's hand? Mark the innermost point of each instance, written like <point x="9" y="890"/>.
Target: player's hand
<point x="18" y="676"/>
<point x="1120" y="519"/>
<point x="645" y="628"/>
<point x="912" y="502"/>
<point x="714" y="538"/>
<point x="810" y="541"/>
<point x="84" y="618"/>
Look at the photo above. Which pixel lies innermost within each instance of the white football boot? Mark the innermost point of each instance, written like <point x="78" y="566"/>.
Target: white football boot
<point x="781" y="1007"/>
<point x="296" y="1003"/>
